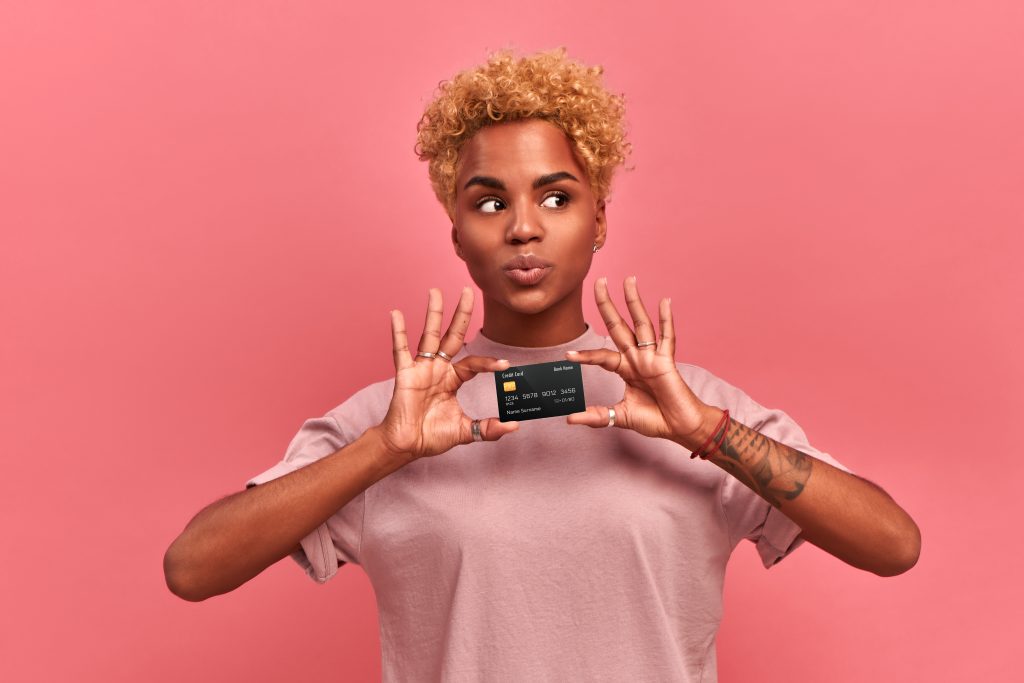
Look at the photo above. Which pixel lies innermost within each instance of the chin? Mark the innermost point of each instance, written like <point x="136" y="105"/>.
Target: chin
<point x="529" y="301"/>
<point x="529" y="307"/>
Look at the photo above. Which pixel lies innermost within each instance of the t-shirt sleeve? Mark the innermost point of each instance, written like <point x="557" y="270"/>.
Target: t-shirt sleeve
<point x="748" y="515"/>
<point x="337" y="540"/>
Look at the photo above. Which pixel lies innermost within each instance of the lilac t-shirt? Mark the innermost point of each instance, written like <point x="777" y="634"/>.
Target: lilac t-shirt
<point x="559" y="552"/>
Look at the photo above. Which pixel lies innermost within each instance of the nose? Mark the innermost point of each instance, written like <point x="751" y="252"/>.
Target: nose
<point x="524" y="224"/>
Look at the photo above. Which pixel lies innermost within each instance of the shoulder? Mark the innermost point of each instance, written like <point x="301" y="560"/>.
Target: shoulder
<point x="712" y="389"/>
<point x="363" y="409"/>
<point x="774" y="423"/>
<point x="716" y="391"/>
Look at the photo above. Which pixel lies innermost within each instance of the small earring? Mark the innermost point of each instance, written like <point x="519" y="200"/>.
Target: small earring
<point x="595" y="247"/>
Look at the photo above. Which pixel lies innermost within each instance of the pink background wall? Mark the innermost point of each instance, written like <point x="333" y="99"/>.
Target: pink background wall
<point x="204" y="209"/>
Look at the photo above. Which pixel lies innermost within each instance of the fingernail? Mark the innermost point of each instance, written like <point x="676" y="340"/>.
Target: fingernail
<point x="669" y="301"/>
<point x="571" y="353"/>
<point x="502" y="360"/>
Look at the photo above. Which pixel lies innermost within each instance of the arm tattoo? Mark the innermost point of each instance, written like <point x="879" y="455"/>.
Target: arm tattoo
<point x="772" y="470"/>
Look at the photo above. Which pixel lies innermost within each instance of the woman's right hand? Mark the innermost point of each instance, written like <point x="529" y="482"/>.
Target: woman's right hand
<point x="424" y="417"/>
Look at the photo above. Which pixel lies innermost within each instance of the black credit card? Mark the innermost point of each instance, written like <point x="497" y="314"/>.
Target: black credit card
<point x="528" y="392"/>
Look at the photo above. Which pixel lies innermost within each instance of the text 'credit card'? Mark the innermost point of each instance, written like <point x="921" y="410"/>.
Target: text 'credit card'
<point x="528" y="392"/>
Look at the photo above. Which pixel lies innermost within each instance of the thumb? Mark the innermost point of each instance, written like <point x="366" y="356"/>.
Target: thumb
<point x="606" y="358"/>
<point x="469" y="367"/>
<point x="491" y="429"/>
<point x="596" y="416"/>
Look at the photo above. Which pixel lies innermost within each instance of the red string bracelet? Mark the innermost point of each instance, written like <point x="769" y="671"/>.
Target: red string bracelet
<point x="718" y="442"/>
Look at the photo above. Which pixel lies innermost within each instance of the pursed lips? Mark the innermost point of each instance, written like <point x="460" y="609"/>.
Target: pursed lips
<point x="527" y="269"/>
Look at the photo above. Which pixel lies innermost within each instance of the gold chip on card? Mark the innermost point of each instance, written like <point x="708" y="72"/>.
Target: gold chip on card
<point x="510" y="386"/>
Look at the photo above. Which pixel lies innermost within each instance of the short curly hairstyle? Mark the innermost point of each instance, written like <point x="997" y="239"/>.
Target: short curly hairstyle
<point x="546" y="85"/>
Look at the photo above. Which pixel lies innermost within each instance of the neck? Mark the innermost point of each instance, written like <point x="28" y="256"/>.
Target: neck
<point x="555" y="325"/>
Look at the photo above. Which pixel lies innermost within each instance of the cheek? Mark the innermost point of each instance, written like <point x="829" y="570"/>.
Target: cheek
<point x="578" y="233"/>
<point x="477" y="249"/>
<point x="473" y="238"/>
<point x="479" y="256"/>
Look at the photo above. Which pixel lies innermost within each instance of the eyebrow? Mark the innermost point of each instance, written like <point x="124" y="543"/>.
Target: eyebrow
<point x="553" y="178"/>
<point x="486" y="181"/>
<point x="494" y="183"/>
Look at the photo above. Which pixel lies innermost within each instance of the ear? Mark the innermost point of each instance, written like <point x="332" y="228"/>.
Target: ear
<point x="602" y="225"/>
<point x="455" y="242"/>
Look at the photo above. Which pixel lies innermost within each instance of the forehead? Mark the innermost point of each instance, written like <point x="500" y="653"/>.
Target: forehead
<point x="519" y="150"/>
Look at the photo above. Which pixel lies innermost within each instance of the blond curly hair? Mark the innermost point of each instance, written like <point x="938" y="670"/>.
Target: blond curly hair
<point x="546" y="85"/>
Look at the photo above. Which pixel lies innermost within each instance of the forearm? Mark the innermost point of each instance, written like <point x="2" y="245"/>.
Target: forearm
<point x="843" y="514"/>
<point x="236" y="538"/>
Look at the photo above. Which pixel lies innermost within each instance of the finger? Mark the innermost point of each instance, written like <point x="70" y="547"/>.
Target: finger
<point x="399" y="341"/>
<point x="455" y="338"/>
<point x="469" y="367"/>
<point x="617" y="327"/>
<point x="606" y="358"/>
<point x="667" y="343"/>
<point x="595" y="416"/>
<point x="642" y="326"/>
<point x="491" y="429"/>
<point x="430" y="340"/>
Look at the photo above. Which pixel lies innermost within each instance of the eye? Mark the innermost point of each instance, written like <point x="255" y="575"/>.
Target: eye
<point x="490" y="205"/>
<point x="555" y="200"/>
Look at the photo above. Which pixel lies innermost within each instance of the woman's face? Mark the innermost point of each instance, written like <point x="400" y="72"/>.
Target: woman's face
<point x="520" y="191"/>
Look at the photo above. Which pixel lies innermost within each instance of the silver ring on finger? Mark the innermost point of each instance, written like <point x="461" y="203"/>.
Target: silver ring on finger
<point x="444" y="355"/>
<point x="475" y="428"/>
<point x="426" y="354"/>
<point x="611" y="417"/>
<point x="642" y="344"/>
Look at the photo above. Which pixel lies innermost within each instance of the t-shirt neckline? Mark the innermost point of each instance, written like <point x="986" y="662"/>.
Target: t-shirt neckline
<point x="484" y="346"/>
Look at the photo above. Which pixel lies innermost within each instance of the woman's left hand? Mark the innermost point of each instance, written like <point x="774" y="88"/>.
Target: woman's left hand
<point x="657" y="401"/>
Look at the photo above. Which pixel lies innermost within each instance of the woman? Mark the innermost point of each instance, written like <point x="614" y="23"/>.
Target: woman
<point x="546" y="550"/>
